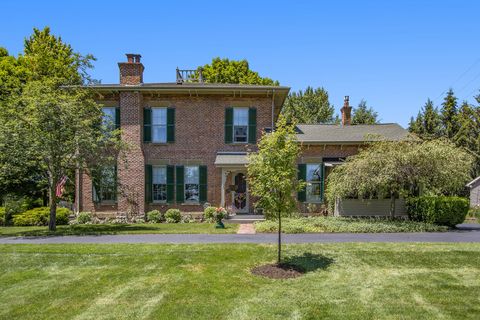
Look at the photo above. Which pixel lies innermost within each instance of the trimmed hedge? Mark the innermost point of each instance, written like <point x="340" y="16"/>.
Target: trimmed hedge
<point x="155" y="216"/>
<point x="40" y="217"/>
<point x="2" y="216"/>
<point x="209" y="213"/>
<point x="444" y="211"/>
<point x="173" y="216"/>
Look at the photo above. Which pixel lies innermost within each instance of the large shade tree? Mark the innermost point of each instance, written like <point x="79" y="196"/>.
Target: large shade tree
<point x="52" y="124"/>
<point x="310" y="106"/>
<point x="233" y="71"/>
<point x="403" y="168"/>
<point x="363" y="114"/>
<point x="272" y="174"/>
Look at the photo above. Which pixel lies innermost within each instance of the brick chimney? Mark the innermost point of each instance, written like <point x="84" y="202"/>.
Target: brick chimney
<point x="131" y="72"/>
<point x="346" y="112"/>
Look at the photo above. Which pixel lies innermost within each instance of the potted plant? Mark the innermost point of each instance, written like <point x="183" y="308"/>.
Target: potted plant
<point x="219" y="215"/>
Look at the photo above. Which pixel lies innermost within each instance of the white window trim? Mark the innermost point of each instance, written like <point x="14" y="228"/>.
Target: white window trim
<point x="309" y="182"/>
<point x="185" y="185"/>
<point x="152" y="125"/>
<point x="233" y="126"/>
<point x="166" y="185"/>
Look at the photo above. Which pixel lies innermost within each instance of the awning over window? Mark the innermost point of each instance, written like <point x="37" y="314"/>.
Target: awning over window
<point x="231" y="159"/>
<point x="333" y="163"/>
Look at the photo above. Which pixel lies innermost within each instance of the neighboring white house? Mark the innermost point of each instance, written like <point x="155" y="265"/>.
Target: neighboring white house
<point x="474" y="186"/>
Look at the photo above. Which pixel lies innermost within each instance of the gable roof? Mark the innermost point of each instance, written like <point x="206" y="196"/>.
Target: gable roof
<point x="356" y="134"/>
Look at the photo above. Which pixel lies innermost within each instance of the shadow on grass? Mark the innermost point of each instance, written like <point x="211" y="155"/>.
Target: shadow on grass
<point x="309" y="262"/>
<point x="98" y="229"/>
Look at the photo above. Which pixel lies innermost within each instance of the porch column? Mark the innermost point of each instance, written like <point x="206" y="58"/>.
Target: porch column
<point x="224" y="179"/>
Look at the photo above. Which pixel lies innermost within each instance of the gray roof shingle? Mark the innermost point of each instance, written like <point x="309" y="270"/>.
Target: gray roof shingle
<point x="331" y="133"/>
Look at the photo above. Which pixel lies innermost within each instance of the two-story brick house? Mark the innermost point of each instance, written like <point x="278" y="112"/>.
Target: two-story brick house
<point x="188" y="141"/>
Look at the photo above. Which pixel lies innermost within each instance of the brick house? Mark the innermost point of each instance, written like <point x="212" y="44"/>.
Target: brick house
<point x="188" y="142"/>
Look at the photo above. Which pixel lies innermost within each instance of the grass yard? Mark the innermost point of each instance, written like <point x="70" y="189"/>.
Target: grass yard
<point x="343" y="224"/>
<point x="345" y="281"/>
<point x="97" y="229"/>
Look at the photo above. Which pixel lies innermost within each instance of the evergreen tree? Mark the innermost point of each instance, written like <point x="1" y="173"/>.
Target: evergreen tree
<point x="363" y="114"/>
<point x="431" y="121"/>
<point x="310" y="106"/>
<point x="448" y="115"/>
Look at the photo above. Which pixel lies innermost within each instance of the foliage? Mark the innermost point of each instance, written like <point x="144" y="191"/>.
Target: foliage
<point x="219" y="214"/>
<point x="449" y="115"/>
<point x="208" y="213"/>
<point x="84" y="217"/>
<point x="363" y="114"/>
<point x="473" y="212"/>
<point x="401" y="168"/>
<point x="173" y="216"/>
<point x="272" y="172"/>
<point x="310" y="106"/>
<point x="40" y="217"/>
<point x="48" y="126"/>
<point x="155" y="216"/>
<point x="341" y="224"/>
<point x="2" y="216"/>
<point x="445" y="211"/>
<point x="233" y="71"/>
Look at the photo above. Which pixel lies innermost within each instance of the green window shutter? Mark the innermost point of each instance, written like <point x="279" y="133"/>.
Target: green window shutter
<point x="95" y="179"/>
<point x="117" y="117"/>
<point x="95" y="197"/>
<point x="180" y="178"/>
<point x="170" y="125"/>
<point x="148" y="183"/>
<point x="302" y="175"/>
<point x="203" y="183"/>
<point x="322" y="186"/>
<point x="170" y="183"/>
<point x="147" y="125"/>
<point x="252" y="125"/>
<point x="229" y="125"/>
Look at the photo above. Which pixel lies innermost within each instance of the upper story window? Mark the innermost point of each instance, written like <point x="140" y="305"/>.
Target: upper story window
<point x="192" y="184"/>
<point x="159" y="183"/>
<point x="240" y="124"/>
<point x="159" y="125"/>
<point x="111" y="117"/>
<point x="314" y="181"/>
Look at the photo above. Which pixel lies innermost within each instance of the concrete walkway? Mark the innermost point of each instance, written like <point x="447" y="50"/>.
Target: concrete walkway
<point x="246" y="228"/>
<point x="452" y="236"/>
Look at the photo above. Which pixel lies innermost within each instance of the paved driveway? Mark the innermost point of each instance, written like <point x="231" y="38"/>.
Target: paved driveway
<point x="467" y="233"/>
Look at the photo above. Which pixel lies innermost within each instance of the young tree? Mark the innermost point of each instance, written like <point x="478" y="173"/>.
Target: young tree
<point x="364" y="115"/>
<point x="233" y="71"/>
<point x="310" y="106"/>
<point x="272" y="174"/>
<point x="401" y="168"/>
<point x="448" y="115"/>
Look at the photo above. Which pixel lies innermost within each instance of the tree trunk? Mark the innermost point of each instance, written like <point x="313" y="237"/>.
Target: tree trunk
<point x="52" y="226"/>
<point x="279" y="259"/>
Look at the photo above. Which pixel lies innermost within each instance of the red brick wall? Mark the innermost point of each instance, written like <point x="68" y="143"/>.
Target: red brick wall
<point x="131" y="73"/>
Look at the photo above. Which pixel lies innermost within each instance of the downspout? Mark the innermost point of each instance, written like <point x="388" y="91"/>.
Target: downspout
<point x="273" y="109"/>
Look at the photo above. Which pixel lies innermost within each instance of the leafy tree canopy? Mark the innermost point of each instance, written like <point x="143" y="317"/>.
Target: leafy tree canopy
<point x="310" y="106"/>
<point x="362" y="114"/>
<point x="233" y="71"/>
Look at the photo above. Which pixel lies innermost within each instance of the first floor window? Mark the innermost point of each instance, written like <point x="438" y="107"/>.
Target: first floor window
<point x="105" y="185"/>
<point x="159" y="183"/>
<point x="192" y="184"/>
<point x="314" y="182"/>
<point x="109" y="117"/>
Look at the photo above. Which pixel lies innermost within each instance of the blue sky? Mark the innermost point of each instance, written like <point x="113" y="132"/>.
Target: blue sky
<point x="394" y="54"/>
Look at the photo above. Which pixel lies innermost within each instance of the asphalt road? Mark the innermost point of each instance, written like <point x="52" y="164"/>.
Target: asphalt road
<point x="466" y="233"/>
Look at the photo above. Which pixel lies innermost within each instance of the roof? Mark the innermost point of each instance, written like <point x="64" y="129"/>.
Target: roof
<point x="230" y="159"/>
<point x="335" y="134"/>
<point x="471" y="183"/>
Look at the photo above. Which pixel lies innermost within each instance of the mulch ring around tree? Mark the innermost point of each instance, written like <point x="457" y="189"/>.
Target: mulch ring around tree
<point x="278" y="271"/>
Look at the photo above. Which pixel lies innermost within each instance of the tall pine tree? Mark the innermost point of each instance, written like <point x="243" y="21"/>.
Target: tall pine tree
<point x="448" y="115"/>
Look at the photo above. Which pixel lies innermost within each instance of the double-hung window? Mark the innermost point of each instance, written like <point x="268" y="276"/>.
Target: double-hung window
<point x="159" y="125"/>
<point x="240" y="124"/>
<point x="159" y="183"/>
<point x="105" y="185"/>
<point x="314" y="179"/>
<point x="192" y="184"/>
<point x="110" y="118"/>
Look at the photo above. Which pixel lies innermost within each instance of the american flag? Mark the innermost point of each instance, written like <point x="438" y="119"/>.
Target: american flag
<point x="60" y="186"/>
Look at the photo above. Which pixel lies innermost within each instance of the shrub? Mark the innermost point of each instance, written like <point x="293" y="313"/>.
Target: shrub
<point x="474" y="212"/>
<point x="140" y="221"/>
<point x="173" y="216"/>
<point x="208" y="214"/>
<point x="445" y="211"/>
<point x="187" y="218"/>
<point x="2" y="216"/>
<point x="155" y="216"/>
<point x="40" y="217"/>
<point x="84" y="217"/>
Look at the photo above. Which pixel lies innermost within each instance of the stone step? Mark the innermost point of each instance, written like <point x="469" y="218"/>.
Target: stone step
<point x="245" y="218"/>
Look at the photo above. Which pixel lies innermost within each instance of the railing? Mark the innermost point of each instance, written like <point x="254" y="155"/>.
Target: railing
<point x="189" y="76"/>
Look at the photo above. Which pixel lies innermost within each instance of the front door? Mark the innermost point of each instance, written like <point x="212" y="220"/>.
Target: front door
<point x="240" y="196"/>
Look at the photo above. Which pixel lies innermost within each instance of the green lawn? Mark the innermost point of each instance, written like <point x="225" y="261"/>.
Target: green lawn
<point x="96" y="229"/>
<point x="345" y="281"/>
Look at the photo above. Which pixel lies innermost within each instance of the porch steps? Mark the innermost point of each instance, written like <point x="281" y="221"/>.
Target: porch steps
<point x="245" y="218"/>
